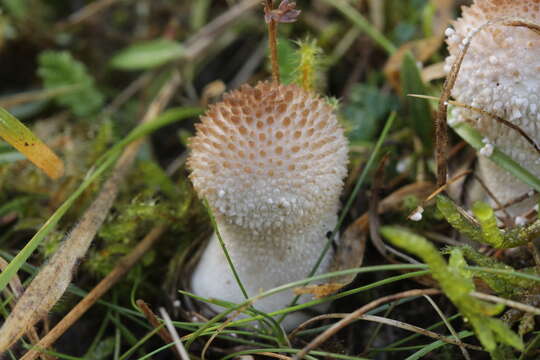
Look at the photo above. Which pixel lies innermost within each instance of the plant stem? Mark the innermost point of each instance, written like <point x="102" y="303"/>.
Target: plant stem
<point x="272" y="43"/>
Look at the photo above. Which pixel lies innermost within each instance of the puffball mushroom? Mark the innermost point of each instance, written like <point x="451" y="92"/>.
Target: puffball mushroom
<point x="501" y="75"/>
<point x="270" y="160"/>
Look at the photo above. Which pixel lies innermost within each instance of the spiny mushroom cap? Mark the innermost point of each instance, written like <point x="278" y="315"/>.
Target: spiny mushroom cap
<point x="268" y="157"/>
<point x="500" y="74"/>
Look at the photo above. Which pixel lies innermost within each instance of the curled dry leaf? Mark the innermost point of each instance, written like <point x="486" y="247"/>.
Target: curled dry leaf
<point x="421" y="50"/>
<point x="319" y="291"/>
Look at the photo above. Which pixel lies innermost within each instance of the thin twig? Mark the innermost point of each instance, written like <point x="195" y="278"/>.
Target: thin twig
<point x="516" y="200"/>
<point x="207" y="35"/>
<point x="121" y="268"/>
<point x="439" y="190"/>
<point x="230" y="319"/>
<point x="86" y="13"/>
<point x="154" y="321"/>
<point x="17" y="290"/>
<point x="448" y="325"/>
<point x="507" y="302"/>
<point x="36" y="95"/>
<point x="50" y="283"/>
<point x="272" y="43"/>
<point x="395" y="323"/>
<point x="321" y="338"/>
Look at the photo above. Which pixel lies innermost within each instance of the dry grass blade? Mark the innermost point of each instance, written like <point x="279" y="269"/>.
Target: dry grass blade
<point x="16" y="290"/>
<point x="123" y="266"/>
<point x="502" y="121"/>
<point x="234" y="315"/>
<point x="276" y="356"/>
<point x="37" y="95"/>
<point x="373" y="214"/>
<point x="357" y="313"/>
<point x="154" y="321"/>
<point x="499" y="119"/>
<point x="439" y="190"/>
<point x="172" y="331"/>
<point x="391" y="322"/>
<point x="86" y="13"/>
<point x="510" y="303"/>
<point x="52" y="280"/>
<point x="207" y="35"/>
<point x="449" y="326"/>
<point x="420" y="330"/>
<point x="516" y="200"/>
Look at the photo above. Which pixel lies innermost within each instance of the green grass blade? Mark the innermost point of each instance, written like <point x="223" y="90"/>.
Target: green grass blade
<point x="104" y="163"/>
<point x="435" y="345"/>
<point x="474" y="138"/>
<point x="359" y="21"/>
<point x="374" y="155"/>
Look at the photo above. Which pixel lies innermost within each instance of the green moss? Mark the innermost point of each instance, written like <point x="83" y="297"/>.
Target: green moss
<point x="457" y="284"/>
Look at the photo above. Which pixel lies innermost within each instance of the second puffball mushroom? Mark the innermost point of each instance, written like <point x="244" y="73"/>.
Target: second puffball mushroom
<point x="270" y="160"/>
<point x="500" y="75"/>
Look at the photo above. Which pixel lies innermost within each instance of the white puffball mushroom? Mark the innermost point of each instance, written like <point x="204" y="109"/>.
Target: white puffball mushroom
<point x="270" y="160"/>
<point x="501" y="75"/>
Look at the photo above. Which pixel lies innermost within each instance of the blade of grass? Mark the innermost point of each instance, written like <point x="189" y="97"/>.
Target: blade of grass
<point x="374" y="155"/>
<point x="357" y="19"/>
<point x="22" y="139"/>
<point x="474" y="138"/>
<point x="435" y="345"/>
<point x="292" y="351"/>
<point x="224" y="249"/>
<point x="191" y="337"/>
<point x="101" y="166"/>
<point x="273" y="323"/>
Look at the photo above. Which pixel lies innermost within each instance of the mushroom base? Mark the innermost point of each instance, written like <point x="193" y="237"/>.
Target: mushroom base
<point x="263" y="261"/>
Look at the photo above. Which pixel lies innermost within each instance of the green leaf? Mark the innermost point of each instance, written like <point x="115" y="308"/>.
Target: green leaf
<point x="474" y="138"/>
<point x="418" y="110"/>
<point x="288" y="60"/>
<point x="488" y="222"/>
<point x="61" y="70"/>
<point x="17" y="8"/>
<point x="367" y="109"/>
<point x="103" y="350"/>
<point x="147" y="55"/>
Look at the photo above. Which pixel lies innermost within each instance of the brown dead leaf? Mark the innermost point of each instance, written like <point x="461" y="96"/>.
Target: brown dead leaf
<point x="319" y="291"/>
<point x="444" y="13"/>
<point x="394" y="201"/>
<point x="212" y="91"/>
<point x="421" y="50"/>
<point x="352" y="244"/>
<point x="433" y="72"/>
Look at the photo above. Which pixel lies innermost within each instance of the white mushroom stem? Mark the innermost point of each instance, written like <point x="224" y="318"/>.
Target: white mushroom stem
<point x="263" y="262"/>
<point x="499" y="75"/>
<point x="270" y="160"/>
